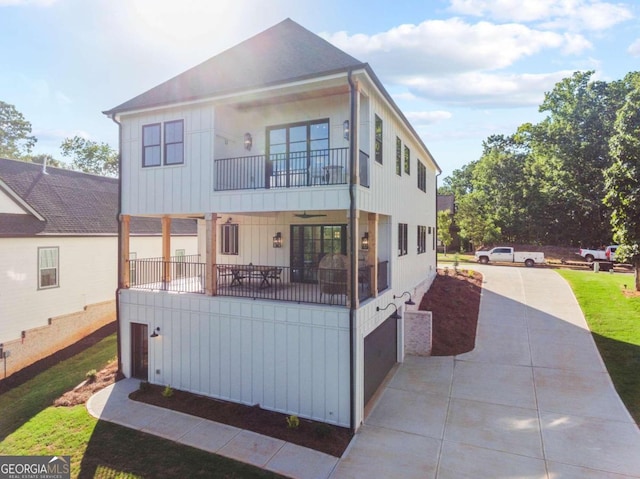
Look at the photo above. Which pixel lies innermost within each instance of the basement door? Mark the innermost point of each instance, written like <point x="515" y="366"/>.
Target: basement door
<point x="139" y="351"/>
<point x="380" y="355"/>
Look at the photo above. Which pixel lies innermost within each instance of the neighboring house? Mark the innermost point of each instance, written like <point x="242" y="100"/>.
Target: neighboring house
<point x="58" y="257"/>
<point x="316" y="205"/>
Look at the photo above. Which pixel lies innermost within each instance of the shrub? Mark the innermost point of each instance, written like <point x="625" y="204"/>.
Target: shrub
<point x="293" y="422"/>
<point x="167" y="392"/>
<point x="91" y="375"/>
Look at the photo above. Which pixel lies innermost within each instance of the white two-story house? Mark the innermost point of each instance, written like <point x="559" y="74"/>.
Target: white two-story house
<point x="316" y="205"/>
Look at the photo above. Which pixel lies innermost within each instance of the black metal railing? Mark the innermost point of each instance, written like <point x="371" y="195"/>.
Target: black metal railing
<point x="176" y="276"/>
<point x="288" y="170"/>
<point x="282" y="283"/>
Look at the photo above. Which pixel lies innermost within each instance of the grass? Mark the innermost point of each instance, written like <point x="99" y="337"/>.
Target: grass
<point x="29" y="425"/>
<point x="614" y="320"/>
<point x="23" y="402"/>
<point x="451" y="256"/>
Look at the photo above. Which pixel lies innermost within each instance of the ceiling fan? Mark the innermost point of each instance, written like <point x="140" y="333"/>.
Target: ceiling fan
<point x="307" y="215"/>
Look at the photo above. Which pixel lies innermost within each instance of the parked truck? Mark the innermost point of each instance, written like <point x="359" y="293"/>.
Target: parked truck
<point x="506" y="254"/>
<point x="603" y="254"/>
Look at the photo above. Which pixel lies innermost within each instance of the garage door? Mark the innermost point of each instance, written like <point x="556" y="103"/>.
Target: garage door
<point x="380" y="355"/>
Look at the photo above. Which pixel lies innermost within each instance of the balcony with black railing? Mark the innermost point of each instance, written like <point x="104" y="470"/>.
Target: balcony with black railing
<point x="281" y="283"/>
<point x="288" y="170"/>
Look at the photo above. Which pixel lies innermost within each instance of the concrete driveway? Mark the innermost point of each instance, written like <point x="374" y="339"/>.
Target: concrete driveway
<point x="532" y="400"/>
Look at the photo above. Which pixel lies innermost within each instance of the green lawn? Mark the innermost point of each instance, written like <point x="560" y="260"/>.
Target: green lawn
<point x="30" y="426"/>
<point x="614" y="320"/>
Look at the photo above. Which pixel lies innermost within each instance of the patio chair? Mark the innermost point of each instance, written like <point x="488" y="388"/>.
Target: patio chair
<point x="332" y="275"/>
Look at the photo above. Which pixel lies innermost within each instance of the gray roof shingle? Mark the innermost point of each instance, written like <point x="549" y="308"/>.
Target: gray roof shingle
<point x="71" y="202"/>
<point x="283" y="53"/>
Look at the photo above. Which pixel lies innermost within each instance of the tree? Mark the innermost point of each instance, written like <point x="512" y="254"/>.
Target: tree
<point x="90" y="156"/>
<point x="476" y="222"/>
<point x="15" y="138"/>
<point x="623" y="179"/>
<point x="42" y="158"/>
<point x="445" y="220"/>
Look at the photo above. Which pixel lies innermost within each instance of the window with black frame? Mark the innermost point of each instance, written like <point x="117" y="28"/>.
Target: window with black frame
<point x="229" y="239"/>
<point x="378" y="132"/>
<point x="298" y="154"/>
<point x="403" y="240"/>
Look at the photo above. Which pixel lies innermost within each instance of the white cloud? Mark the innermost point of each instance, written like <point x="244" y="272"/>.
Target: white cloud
<point x="634" y="48"/>
<point x="428" y="117"/>
<point x="438" y="47"/>
<point x="57" y="136"/>
<point x="577" y="15"/>
<point x="487" y="90"/>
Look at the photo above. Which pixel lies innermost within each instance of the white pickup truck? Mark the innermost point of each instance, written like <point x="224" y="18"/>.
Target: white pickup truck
<point x="506" y="254"/>
<point x="606" y="254"/>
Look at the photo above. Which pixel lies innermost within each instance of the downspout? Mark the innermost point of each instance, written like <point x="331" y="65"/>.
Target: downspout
<point x="119" y="374"/>
<point x="352" y="248"/>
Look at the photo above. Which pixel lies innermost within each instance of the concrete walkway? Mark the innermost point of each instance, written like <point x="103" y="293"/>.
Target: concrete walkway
<point x="532" y="400"/>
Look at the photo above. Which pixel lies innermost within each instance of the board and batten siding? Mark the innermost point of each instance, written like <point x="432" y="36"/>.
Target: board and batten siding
<point x="87" y="275"/>
<point x="212" y="132"/>
<point x="285" y="357"/>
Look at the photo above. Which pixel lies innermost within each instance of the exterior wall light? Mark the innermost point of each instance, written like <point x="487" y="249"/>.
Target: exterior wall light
<point x="409" y="301"/>
<point x="395" y="314"/>
<point x="364" y="242"/>
<point x="277" y="240"/>
<point x="345" y="129"/>
<point x="156" y="333"/>
<point x="248" y="141"/>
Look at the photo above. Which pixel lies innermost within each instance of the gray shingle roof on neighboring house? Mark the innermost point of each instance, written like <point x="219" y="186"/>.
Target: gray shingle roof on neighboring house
<point x="445" y="202"/>
<point x="281" y="54"/>
<point x="71" y="203"/>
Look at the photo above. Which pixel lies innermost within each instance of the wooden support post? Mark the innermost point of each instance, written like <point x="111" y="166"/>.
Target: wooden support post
<point x="372" y="256"/>
<point x="125" y="233"/>
<point x="211" y="276"/>
<point x="166" y="248"/>
<point x="352" y="294"/>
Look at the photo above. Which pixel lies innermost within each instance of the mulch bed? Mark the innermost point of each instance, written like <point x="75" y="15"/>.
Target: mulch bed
<point x="322" y="437"/>
<point x="454" y="300"/>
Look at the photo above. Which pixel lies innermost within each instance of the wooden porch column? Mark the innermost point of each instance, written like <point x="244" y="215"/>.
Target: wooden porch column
<point x="125" y="233"/>
<point x="372" y="255"/>
<point x="211" y="278"/>
<point x="166" y="248"/>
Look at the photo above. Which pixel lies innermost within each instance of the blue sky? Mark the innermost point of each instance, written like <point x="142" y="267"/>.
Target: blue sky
<point x="461" y="70"/>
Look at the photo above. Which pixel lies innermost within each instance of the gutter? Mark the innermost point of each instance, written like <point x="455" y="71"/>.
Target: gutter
<point x="119" y="374"/>
<point x="352" y="250"/>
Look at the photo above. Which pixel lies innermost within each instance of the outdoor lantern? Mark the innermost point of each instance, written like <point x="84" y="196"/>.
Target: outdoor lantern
<point x="364" y="242"/>
<point x="248" y="141"/>
<point x="277" y="240"/>
<point x="345" y="129"/>
<point x="156" y="333"/>
<point x="395" y="314"/>
<point x="409" y="301"/>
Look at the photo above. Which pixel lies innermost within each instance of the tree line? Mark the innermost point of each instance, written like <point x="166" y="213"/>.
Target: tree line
<point x="17" y="142"/>
<point x="573" y="179"/>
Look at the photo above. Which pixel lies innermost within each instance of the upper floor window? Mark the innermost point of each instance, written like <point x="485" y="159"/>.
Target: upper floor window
<point x="422" y="239"/>
<point x="398" y="156"/>
<point x="152" y="148"/>
<point x="403" y="240"/>
<point x="378" y="139"/>
<point x="407" y="160"/>
<point x="422" y="176"/>
<point x="174" y="142"/>
<point x="48" y="267"/>
<point x="151" y="145"/>
<point x="229" y="239"/>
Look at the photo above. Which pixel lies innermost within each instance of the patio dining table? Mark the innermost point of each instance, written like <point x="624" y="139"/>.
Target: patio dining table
<point x="250" y="271"/>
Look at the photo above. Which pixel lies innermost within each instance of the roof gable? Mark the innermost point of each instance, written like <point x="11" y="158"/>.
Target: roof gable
<point x="284" y="53"/>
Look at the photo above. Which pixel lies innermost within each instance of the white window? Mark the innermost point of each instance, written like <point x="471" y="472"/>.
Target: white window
<point x="48" y="274"/>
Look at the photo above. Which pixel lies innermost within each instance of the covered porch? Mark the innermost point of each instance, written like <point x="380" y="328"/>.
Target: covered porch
<point x="300" y="265"/>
